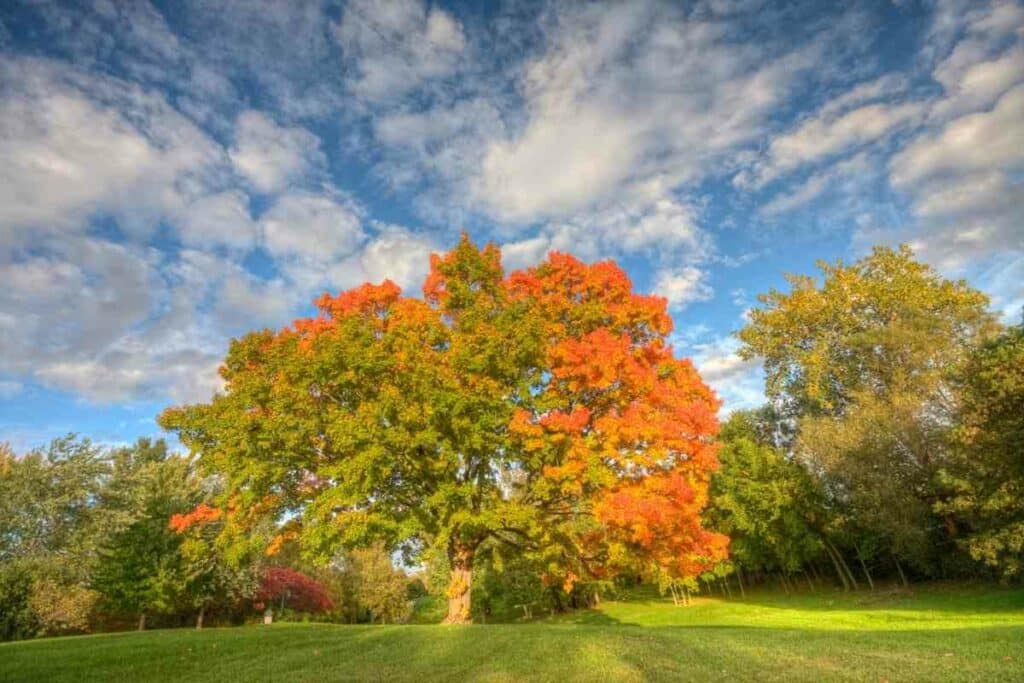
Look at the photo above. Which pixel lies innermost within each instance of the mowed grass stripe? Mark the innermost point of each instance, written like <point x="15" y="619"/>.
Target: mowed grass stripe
<point x="937" y="633"/>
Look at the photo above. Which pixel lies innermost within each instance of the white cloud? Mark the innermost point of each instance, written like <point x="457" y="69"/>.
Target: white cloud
<point x="663" y="229"/>
<point x="311" y="226"/>
<point x="270" y="156"/>
<point x="845" y="172"/>
<point x="74" y="145"/>
<point x="739" y="383"/>
<point x="824" y="136"/>
<point x="682" y="286"/>
<point x="623" y="94"/>
<point x="219" y="219"/>
<point x="393" y="253"/>
<point x="396" y="46"/>
<point x="974" y="86"/>
<point x="976" y="142"/>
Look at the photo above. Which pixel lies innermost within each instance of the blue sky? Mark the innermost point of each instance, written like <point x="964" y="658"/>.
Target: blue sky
<point x="175" y="174"/>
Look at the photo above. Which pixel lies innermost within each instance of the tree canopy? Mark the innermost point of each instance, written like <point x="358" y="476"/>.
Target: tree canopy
<point x="543" y="409"/>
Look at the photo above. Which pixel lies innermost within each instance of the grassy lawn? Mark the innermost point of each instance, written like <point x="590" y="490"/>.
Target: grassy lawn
<point x="934" y="633"/>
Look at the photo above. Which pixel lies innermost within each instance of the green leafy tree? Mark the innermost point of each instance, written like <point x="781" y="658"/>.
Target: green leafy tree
<point x="860" y="363"/>
<point x="883" y="325"/>
<point x="985" y="475"/>
<point x="215" y="575"/>
<point x="544" y="409"/>
<point x="48" y="502"/>
<point x="768" y="505"/>
<point x="139" y="568"/>
<point x="50" y="528"/>
<point x="373" y="588"/>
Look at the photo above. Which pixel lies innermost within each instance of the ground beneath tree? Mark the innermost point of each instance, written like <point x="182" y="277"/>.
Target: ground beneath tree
<point x="943" y="632"/>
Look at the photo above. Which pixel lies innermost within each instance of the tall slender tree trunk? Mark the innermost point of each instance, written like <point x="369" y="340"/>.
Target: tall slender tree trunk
<point x="460" y="586"/>
<point x="899" y="568"/>
<point x="839" y="569"/>
<point x="142" y="621"/>
<point x="202" y="615"/>
<point x="846" y="567"/>
<point x="864" y="566"/>
<point x="739" y="579"/>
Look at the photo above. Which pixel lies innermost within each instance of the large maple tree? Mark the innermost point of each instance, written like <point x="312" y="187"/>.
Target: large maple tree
<point x="543" y="410"/>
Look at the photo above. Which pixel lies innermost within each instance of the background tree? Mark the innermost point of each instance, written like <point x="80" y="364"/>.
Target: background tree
<point x="50" y="528"/>
<point x="541" y="410"/>
<point x="212" y="576"/>
<point x="769" y="506"/>
<point x="377" y="591"/>
<point x="139" y="568"/>
<point x="985" y="475"/>
<point x="861" y="364"/>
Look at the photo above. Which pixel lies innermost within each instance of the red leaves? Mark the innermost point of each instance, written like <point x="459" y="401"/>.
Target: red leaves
<point x="299" y="592"/>
<point x="202" y="515"/>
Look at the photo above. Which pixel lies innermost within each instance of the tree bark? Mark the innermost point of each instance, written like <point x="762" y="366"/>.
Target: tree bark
<point x="142" y="621"/>
<point x="839" y="569"/>
<point x="202" y="615"/>
<point x="899" y="568"/>
<point x="846" y="567"/>
<point x="864" y="566"/>
<point x="460" y="585"/>
<point x="739" y="579"/>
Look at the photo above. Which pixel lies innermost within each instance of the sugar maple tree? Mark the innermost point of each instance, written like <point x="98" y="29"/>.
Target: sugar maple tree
<point x="543" y="410"/>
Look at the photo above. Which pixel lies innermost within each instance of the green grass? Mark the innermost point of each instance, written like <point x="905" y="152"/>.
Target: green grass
<point x="935" y="633"/>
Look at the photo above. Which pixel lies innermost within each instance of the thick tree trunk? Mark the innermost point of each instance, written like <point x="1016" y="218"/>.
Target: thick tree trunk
<point x="142" y="621"/>
<point x="202" y="615"/>
<point x="460" y="586"/>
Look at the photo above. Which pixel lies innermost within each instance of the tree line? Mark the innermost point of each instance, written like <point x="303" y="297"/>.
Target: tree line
<point x="892" y="442"/>
<point x="529" y="441"/>
<point x="98" y="538"/>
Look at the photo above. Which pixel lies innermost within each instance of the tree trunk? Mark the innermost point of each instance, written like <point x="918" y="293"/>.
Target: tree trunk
<point x="899" y="568"/>
<point x="142" y="621"/>
<point x="839" y="570"/>
<point x="202" y="615"/>
<point x="460" y="586"/>
<point x="864" y="566"/>
<point x="739" y="579"/>
<point x="846" y="567"/>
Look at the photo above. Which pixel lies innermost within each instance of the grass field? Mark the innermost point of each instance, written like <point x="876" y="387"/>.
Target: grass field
<point x="939" y="632"/>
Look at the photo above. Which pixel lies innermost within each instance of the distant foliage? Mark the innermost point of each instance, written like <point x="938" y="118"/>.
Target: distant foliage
<point x="985" y="475"/>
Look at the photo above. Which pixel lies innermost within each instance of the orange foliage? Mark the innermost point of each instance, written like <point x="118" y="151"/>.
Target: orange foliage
<point x="202" y="514"/>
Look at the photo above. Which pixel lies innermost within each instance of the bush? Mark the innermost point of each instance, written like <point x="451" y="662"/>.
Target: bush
<point x="17" y="620"/>
<point x="62" y="609"/>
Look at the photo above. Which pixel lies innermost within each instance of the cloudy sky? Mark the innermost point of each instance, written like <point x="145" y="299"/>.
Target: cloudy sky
<point x="175" y="174"/>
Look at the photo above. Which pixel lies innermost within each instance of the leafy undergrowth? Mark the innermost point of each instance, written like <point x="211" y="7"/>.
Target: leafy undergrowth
<point x="941" y="632"/>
